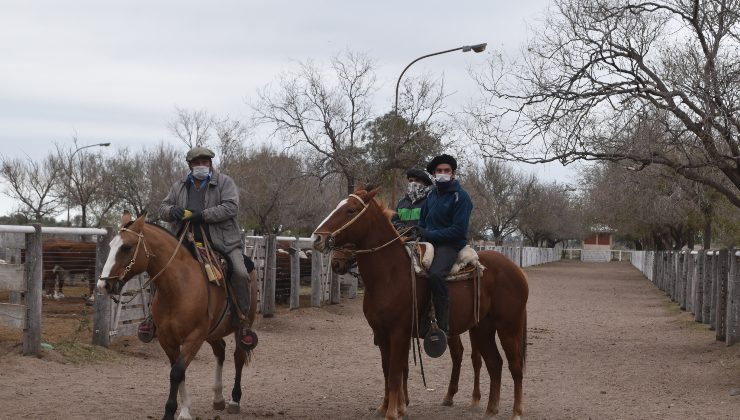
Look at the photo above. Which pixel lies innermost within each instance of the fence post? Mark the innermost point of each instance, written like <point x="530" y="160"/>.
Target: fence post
<point x="690" y="276"/>
<point x="352" y="294"/>
<point x="684" y="261"/>
<point x="699" y="285"/>
<point x="268" y="298"/>
<point x="721" y="305"/>
<point x="733" y="299"/>
<point x="336" y="289"/>
<point x="102" y="305"/>
<point x="295" y="275"/>
<point x="34" y="267"/>
<point x="707" y="289"/>
<point x="316" y="279"/>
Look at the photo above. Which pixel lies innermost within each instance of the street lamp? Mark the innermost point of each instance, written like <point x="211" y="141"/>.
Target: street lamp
<point x="71" y="157"/>
<point x="477" y="48"/>
<point x="465" y="48"/>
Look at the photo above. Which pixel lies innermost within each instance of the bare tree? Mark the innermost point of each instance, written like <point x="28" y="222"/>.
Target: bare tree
<point x="500" y="195"/>
<point x="232" y="136"/>
<point x="323" y="112"/>
<point x="192" y="127"/>
<point x="551" y="216"/>
<point x="34" y="184"/>
<point x="599" y="72"/>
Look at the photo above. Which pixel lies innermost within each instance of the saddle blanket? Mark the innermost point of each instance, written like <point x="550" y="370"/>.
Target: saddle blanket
<point x="467" y="260"/>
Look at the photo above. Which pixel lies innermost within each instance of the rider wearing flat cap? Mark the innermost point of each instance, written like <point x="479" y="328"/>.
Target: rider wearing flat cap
<point x="444" y="223"/>
<point x="210" y="199"/>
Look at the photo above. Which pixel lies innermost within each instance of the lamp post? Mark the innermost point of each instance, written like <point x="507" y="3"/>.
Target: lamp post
<point x="476" y="48"/>
<point x="71" y="157"/>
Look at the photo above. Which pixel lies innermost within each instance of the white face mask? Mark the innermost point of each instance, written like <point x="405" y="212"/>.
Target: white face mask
<point x="442" y="177"/>
<point x="201" y="172"/>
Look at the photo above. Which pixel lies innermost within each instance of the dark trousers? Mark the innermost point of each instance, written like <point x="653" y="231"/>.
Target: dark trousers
<point x="240" y="280"/>
<point x="444" y="257"/>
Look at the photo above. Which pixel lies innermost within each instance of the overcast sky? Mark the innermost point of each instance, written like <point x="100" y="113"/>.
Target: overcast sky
<point x="115" y="72"/>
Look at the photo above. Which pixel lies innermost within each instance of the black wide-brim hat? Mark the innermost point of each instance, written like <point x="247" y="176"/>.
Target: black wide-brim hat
<point x="438" y="160"/>
<point x="421" y="175"/>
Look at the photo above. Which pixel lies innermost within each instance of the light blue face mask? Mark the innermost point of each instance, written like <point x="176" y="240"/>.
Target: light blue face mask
<point x="201" y="172"/>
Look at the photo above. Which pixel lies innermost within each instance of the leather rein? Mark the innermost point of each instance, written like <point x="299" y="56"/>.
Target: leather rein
<point x="355" y="252"/>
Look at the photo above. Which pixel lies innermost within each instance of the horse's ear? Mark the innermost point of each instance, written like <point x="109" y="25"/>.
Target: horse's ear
<point x="370" y="194"/>
<point x="139" y="223"/>
<point x="125" y="217"/>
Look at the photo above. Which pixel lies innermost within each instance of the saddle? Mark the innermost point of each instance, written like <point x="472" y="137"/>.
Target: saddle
<point x="466" y="266"/>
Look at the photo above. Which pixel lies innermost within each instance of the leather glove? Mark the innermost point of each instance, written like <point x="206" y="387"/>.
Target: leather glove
<point x="177" y="212"/>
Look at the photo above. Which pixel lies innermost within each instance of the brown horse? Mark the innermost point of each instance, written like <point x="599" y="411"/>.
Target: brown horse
<point x="342" y="262"/>
<point x="388" y="301"/>
<point x="187" y="309"/>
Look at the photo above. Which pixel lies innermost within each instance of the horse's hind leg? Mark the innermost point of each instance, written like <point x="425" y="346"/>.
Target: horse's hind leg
<point x="456" y="352"/>
<point x="240" y="359"/>
<point x="477" y="363"/>
<point x="219" y="350"/>
<point x="512" y="343"/>
<point x="485" y="341"/>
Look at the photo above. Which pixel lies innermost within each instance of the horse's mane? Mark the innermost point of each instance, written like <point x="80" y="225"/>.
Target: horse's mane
<point x="187" y="244"/>
<point x="387" y="212"/>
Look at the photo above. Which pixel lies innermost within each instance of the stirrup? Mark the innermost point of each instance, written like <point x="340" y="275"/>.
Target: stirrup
<point x="247" y="339"/>
<point x="435" y="342"/>
<point x="147" y="330"/>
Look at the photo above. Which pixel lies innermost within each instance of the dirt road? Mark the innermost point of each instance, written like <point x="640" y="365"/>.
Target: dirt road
<point x="604" y="344"/>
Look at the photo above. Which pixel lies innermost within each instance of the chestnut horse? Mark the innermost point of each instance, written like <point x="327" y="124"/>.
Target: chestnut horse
<point x="386" y="271"/>
<point x="187" y="309"/>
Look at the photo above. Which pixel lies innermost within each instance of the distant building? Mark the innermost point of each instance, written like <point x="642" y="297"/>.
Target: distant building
<point x="597" y="245"/>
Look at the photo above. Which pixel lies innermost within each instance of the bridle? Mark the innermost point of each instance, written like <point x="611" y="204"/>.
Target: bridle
<point x="331" y="235"/>
<point x="120" y="278"/>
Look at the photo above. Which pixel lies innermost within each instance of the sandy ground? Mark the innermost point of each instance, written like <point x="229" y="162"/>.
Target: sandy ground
<point x="604" y="344"/>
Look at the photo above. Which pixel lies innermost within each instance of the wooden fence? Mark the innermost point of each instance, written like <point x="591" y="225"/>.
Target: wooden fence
<point x="525" y="256"/>
<point x="705" y="283"/>
<point x="24" y="281"/>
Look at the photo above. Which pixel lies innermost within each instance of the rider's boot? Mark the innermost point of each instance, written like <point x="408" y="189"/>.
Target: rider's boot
<point x="442" y="312"/>
<point x="247" y="338"/>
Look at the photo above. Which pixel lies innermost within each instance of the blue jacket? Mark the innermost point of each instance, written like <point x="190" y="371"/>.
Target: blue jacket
<point x="445" y="216"/>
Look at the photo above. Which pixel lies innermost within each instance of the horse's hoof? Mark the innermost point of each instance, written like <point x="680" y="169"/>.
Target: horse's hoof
<point x="219" y="405"/>
<point x="491" y="413"/>
<point x="233" y="408"/>
<point x="447" y="402"/>
<point x="184" y="416"/>
<point x="475" y="402"/>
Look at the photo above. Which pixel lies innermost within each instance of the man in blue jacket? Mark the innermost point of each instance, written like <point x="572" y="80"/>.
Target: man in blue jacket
<point x="444" y="223"/>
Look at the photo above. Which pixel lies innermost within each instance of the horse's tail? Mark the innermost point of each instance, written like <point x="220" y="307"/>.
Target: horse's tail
<point x="523" y="347"/>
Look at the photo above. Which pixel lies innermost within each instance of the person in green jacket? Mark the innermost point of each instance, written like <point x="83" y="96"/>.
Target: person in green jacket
<point x="408" y="209"/>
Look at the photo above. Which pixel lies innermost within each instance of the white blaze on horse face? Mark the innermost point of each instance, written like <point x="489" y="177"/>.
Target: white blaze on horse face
<point x="115" y="245"/>
<point x="341" y="203"/>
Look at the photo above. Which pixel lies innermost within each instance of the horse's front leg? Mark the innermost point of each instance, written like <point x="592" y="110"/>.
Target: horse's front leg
<point x="381" y="340"/>
<point x="456" y="353"/>
<point x="398" y="360"/>
<point x="180" y="360"/>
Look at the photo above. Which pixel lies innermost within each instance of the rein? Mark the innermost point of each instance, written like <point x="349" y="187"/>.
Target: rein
<point x="353" y="252"/>
<point x="148" y="255"/>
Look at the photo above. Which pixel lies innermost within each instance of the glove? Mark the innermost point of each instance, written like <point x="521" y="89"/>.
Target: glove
<point x="195" y="216"/>
<point x="177" y="212"/>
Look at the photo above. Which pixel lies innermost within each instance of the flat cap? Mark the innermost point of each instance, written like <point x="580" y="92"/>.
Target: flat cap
<point x="199" y="151"/>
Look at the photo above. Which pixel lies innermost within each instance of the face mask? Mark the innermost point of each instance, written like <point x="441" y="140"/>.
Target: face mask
<point x="443" y="177"/>
<point x="201" y="172"/>
<point x="416" y="191"/>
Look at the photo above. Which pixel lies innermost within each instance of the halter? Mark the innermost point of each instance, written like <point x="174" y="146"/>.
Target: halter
<point x="332" y="235"/>
<point x="149" y="254"/>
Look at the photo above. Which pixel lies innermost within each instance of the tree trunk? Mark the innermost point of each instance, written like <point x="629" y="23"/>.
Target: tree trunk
<point x="350" y="183"/>
<point x="84" y="216"/>
<point x="707" y="237"/>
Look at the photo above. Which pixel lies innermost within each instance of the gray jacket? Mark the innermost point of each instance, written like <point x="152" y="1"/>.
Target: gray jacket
<point x="219" y="215"/>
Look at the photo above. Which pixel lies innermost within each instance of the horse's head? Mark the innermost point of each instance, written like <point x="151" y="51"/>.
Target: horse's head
<point x="128" y="255"/>
<point x="346" y="223"/>
<point x="343" y="261"/>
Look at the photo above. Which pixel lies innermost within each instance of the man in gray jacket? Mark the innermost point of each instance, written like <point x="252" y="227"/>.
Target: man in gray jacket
<point x="210" y="199"/>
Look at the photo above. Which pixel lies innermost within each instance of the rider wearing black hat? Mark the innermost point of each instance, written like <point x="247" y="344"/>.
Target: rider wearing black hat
<point x="444" y="222"/>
